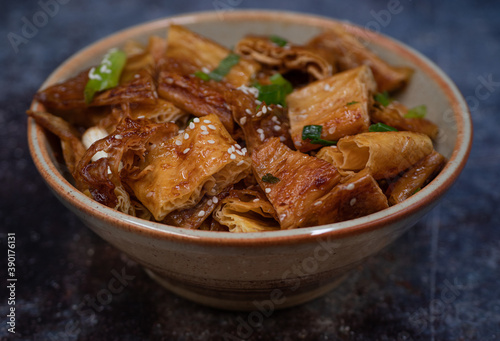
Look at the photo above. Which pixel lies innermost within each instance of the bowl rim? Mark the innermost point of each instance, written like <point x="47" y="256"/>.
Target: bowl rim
<point x="420" y="201"/>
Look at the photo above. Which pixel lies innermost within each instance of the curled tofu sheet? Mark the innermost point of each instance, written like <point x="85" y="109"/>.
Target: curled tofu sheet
<point x="383" y="154"/>
<point x="340" y="104"/>
<point x="394" y="115"/>
<point x="284" y="58"/>
<point x="247" y="210"/>
<point x="350" y="53"/>
<point x="303" y="180"/>
<point x="416" y="178"/>
<point x="205" y="54"/>
<point x="202" y="160"/>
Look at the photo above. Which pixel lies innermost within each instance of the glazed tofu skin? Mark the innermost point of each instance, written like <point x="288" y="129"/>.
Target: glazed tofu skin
<point x="340" y="104"/>
<point x="204" y="159"/>
<point x="350" y="53"/>
<point x="285" y="58"/>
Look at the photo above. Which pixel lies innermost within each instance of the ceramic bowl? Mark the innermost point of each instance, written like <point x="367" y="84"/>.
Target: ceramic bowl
<point x="273" y="269"/>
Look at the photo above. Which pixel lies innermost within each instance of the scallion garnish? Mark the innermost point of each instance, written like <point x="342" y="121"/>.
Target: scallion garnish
<point x="278" y="40"/>
<point x="106" y="75"/>
<point x="269" y="178"/>
<point x="418" y="112"/>
<point x="351" y="103"/>
<point x="313" y="133"/>
<point x="383" y="98"/>
<point x="220" y="71"/>
<point x="381" y="127"/>
<point x="202" y="75"/>
<point x="276" y="92"/>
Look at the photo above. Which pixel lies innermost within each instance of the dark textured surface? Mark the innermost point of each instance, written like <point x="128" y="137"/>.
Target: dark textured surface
<point x="440" y="281"/>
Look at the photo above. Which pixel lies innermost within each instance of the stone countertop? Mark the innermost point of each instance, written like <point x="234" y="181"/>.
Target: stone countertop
<point x="438" y="282"/>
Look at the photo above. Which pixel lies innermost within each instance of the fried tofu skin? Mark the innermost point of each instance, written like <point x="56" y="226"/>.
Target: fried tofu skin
<point x="303" y="179"/>
<point x="284" y="59"/>
<point x="340" y="104"/>
<point x="202" y="160"/>
<point x="350" y="53"/>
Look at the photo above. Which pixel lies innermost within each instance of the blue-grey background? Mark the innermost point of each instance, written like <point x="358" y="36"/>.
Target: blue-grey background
<point x="440" y="281"/>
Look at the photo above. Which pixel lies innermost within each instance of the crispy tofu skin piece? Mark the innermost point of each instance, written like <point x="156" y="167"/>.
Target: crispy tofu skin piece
<point x="340" y="104"/>
<point x="284" y="59"/>
<point x="303" y="179"/>
<point x="350" y="53"/>
<point x="416" y="177"/>
<point x="247" y="210"/>
<point x="393" y="115"/>
<point x="185" y="45"/>
<point x="383" y="154"/>
<point x="202" y="160"/>
<point x="72" y="146"/>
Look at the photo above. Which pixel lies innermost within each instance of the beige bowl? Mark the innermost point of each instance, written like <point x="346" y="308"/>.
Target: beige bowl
<point x="273" y="269"/>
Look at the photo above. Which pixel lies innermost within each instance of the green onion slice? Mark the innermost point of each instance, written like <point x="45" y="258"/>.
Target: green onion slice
<point x="313" y="133"/>
<point x="278" y="40"/>
<point x="417" y="112"/>
<point x="381" y="127"/>
<point x="276" y="92"/>
<point x="383" y="98"/>
<point x="106" y="75"/>
<point x="222" y="70"/>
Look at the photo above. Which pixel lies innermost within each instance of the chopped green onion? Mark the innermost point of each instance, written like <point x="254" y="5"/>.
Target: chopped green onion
<point x="269" y="178"/>
<point x="417" y="112"/>
<point x="381" y="127"/>
<point x="224" y="67"/>
<point x="313" y="133"/>
<point x="383" y="98"/>
<point x="416" y="190"/>
<point x="202" y="75"/>
<point x="278" y="40"/>
<point x="106" y="75"/>
<point x="353" y="102"/>
<point x="276" y="92"/>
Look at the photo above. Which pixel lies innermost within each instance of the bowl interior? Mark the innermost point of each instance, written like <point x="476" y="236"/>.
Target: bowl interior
<point x="429" y="86"/>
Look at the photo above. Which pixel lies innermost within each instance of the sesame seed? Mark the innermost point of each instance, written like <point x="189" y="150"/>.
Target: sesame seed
<point x="211" y="141"/>
<point x="268" y="190"/>
<point x="150" y="194"/>
<point x="244" y="150"/>
<point x="256" y="199"/>
<point x="215" y="200"/>
<point x="240" y="163"/>
<point x="168" y="80"/>
<point x="204" y="132"/>
<point x="211" y="126"/>
<point x="282" y="139"/>
<point x="181" y="131"/>
<point x="350" y="187"/>
<point x="207" y="121"/>
<point x="264" y="109"/>
<point x="275" y="119"/>
<point x="262" y="137"/>
<point x="317" y="203"/>
<point x="232" y="157"/>
<point x="118" y="137"/>
<point x="279" y="106"/>
<point x="178" y="142"/>
<point x="196" y="120"/>
<point x="277" y="128"/>
<point x="201" y="213"/>
<point x="326" y="87"/>
<point x="260" y="131"/>
<point x="209" y="202"/>
<point x="191" y="125"/>
<point x="240" y="152"/>
<point x="139" y="76"/>
<point x="352" y="202"/>
<point x="331" y="130"/>
<point x="258" y="102"/>
<point x="203" y="128"/>
<point x="186" y="150"/>
<point x="186" y="136"/>
<point x="248" y="111"/>
<point x="259" y="114"/>
<point x="243" y="120"/>
<point x="230" y="150"/>
<point x="238" y="146"/>
<point x="205" y="69"/>
<point x="142" y="116"/>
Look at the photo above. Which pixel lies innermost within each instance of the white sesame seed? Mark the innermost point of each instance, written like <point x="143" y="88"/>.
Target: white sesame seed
<point x="201" y="213"/>
<point x="262" y="137"/>
<point x="168" y="80"/>
<point x="118" y="137"/>
<point x="139" y="76"/>
<point x="211" y="126"/>
<point x="238" y="146"/>
<point x="186" y="136"/>
<point x="186" y="150"/>
<point x="277" y="128"/>
<point x="230" y="150"/>
<point x="240" y="163"/>
<point x="244" y="150"/>
<point x="331" y="130"/>
<point x="196" y="120"/>
<point x="268" y="190"/>
<point x="279" y="106"/>
<point x="248" y="111"/>
<point x="239" y="152"/>
<point x="350" y="187"/>
<point x="232" y="157"/>
<point x="258" y="102"/>
<point x="259" y="114"/>
<point x="142" y="116"/>
<point x="205" y="69"/>
<point x="211" y="141"/>
<point x="178" y="142"/>
<point x="275" y="119"/>
<point x="181" y="131"/>
<point x="260" y="131"/>
<point x="203" y="128"/>
<point x="317" y="203"/>
<point x="150" y="194"/>
<point x="243" y="120"/>
<point x="282" y="139"/>
<point x="209" y="202"/>
<point x="326" y="87"/>
<point x="352" y="202"/>
<point x="264" y="109"/>
<point x="191" y="125"/>
<point x="215" y="200"/>
<point x="207" y="121"/>
<point x="204" y="132"/>
<point x="256" y="199"/>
